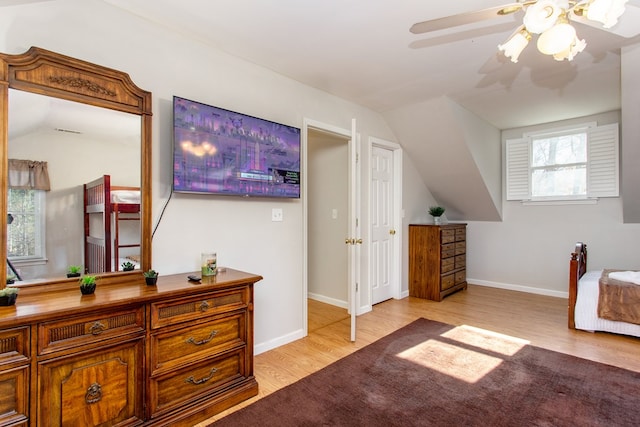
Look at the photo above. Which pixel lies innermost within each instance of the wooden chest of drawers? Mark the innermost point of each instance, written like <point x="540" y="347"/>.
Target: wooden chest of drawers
<point x="437" y="260"/>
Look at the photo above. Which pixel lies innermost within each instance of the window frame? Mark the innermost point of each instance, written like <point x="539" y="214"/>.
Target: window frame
<point x="40" y="240"/>
<point x="603" y="164"/>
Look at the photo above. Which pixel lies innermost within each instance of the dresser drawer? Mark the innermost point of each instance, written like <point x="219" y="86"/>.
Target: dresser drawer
<point x="448" y="250"/>
<point x="14" y="345"/>
<point x="447" y="281"/>
<point x="447" y="235"/>
<point x="447" y="264"/>
<point x="205" y="378"/>
<point x="199" y="307"/>
<point x="461" y="234"/>
<point x="182" y="345"/>
<point x="88" y="330"/>
<point x="461" y="248"/>
<point x="460" y="276"/>
<point x="14" y="396"/>
<point x="461" y="261"/>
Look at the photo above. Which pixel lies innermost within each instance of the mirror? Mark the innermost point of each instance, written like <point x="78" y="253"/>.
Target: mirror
<point x="68" y="136"/>
<point x="69" y="112"/>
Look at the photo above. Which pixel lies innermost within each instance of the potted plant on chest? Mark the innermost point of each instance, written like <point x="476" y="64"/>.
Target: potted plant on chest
<point x="436" y="212"/>
<point x="8" y="296"/>
<point x="128" y="266"/>
<point x="74" y="271"/>
<point x="87" y="284"/>
<point x="151" y="277"/>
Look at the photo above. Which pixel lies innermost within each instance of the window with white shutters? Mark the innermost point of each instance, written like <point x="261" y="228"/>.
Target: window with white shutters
<point x="580" y="163"/>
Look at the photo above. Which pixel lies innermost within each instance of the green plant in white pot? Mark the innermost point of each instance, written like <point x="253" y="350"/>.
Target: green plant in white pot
<point x="436" y="212"/>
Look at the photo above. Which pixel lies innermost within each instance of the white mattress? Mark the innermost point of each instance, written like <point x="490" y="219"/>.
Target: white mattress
<point x="586" y="313"/>
<point x="125" y="196"/>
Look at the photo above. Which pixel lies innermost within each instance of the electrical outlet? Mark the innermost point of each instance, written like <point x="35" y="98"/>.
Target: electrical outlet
<point x="276" y="214"/>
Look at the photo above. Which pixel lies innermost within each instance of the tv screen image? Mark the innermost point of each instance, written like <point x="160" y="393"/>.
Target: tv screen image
<point x="218" y="151"/>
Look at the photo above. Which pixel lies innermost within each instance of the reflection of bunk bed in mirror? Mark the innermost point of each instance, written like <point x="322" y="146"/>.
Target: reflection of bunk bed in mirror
<point x="105" y="207"/>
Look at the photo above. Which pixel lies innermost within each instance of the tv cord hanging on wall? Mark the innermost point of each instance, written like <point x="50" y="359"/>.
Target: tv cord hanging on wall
<point x="161" y="214"/>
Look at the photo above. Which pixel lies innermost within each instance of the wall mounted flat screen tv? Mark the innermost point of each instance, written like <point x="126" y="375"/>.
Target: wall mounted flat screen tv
<point x="217" y="151"/>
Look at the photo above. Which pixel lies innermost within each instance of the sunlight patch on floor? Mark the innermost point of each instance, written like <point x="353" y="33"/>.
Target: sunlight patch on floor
<point x="477" y="353"/>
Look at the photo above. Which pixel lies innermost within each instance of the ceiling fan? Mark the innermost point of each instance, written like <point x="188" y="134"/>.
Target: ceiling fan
<point x="550" y="20"/>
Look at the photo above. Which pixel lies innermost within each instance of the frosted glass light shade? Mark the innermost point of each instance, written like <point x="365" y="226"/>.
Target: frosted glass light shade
<point x="606" y="12"/>
<point x="515" y="45"/>
<point x="556" y="39"/>
<point x="541" y="16"/>
<point x="576" y="47"/>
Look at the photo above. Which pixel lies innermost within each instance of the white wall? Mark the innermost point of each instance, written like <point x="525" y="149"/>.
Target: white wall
<point x="239" y="230"/>
<point x="530" y="249"/>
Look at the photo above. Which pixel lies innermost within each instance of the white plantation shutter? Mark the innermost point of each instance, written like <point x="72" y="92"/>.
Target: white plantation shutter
<point x="603" y="161"/>
<point x="518" y="175"/>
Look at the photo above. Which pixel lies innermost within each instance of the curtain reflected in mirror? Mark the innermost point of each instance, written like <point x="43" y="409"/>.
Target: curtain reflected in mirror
<point x="78" y="143"/>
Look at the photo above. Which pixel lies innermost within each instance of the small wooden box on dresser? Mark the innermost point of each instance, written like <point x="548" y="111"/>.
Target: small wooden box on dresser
<point x="437" y="260"/>
<point x="173" y="354"/>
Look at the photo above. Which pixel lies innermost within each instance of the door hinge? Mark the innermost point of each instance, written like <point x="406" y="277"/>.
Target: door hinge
<point x="357" y="286"/>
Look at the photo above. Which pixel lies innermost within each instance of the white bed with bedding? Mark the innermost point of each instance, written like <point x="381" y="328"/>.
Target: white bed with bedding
<point x="586" y="308"/>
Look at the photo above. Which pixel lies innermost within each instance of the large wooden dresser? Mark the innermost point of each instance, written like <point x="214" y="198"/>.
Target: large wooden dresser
<point x="171" y="354"/>
<point x="437" y="260"/>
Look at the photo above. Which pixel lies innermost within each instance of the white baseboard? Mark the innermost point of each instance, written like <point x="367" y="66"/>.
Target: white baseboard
<point x="519" y="288"/>
<point x="327" y="300"/>
<point x="285" y="339"/>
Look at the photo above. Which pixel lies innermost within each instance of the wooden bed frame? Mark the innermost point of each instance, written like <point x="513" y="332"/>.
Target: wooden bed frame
<point x="99" y="251"/>
<point x="577" y="268"/>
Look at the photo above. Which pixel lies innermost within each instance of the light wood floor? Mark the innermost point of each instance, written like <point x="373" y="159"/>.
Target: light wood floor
<point x="541" y="320"/>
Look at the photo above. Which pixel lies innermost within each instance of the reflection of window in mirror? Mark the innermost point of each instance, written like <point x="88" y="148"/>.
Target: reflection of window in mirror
<point x="25" y="231"/>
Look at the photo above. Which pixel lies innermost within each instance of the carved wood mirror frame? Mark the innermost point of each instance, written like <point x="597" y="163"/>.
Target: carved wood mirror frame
<point x="48" y="73"/>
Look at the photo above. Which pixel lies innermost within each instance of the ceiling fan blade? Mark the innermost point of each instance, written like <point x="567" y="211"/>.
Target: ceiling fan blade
<point x="464" y="18"/>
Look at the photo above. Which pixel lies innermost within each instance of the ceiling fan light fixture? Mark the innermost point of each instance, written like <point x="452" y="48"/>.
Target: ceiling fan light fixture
<point x="557" y="39"/>
<point x="541" y="16"/>
<point x="606" y="12"/>
<point x="576" y="47"/>
<point x="516" y="44"/>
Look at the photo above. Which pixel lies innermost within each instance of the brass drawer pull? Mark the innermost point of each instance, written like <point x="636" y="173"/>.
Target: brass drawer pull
<point x="204" y="306"/>
<point x="194" y="381"/>
<point x="97" y="328"/>
<point x="193" y="341"/>
<point x="93" y="394"/>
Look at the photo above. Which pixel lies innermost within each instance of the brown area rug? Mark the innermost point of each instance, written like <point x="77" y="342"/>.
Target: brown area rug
<point x="432" y="374"/>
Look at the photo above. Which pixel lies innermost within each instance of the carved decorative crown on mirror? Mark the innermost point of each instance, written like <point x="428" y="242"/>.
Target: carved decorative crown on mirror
<point x="48" y="73"/>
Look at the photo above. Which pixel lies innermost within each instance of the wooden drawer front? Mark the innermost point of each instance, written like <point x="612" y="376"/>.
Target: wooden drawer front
<point x="193" y="343"/>
<point x="200" y="307"/>
<point x="447" y="281"/>
<point x="14" y="396"/>
<point x="14" y="345"/>
<point x="461" y="248"/>
<point x="99" y="387"/>
<point x="447" y="264"/>
<point x="460" y="234"/>
<point x="461" y="261"/>
<point x="460" y="276"/>
<point x="448" y="250"/>
<point x="69" y="333"/>
<point x="175" y="388"/>
<point x="447" y="235"/>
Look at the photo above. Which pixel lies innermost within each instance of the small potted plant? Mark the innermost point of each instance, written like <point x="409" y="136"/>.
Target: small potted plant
<point x="87" y="284"/>
<point x="8" y="296"/>
<point x="436" y="212"/>
<point x="151" y="277"/>
<point x="74" y="271"/>
<point x="128" y="266"/>
<point x="11" y="279"/>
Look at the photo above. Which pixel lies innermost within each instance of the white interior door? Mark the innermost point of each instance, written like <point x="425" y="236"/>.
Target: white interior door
<point x="382" y="224"/>
<point x="354" y="240"/>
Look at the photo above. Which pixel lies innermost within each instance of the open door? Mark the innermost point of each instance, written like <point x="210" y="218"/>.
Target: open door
<point x="355" y="238"/>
